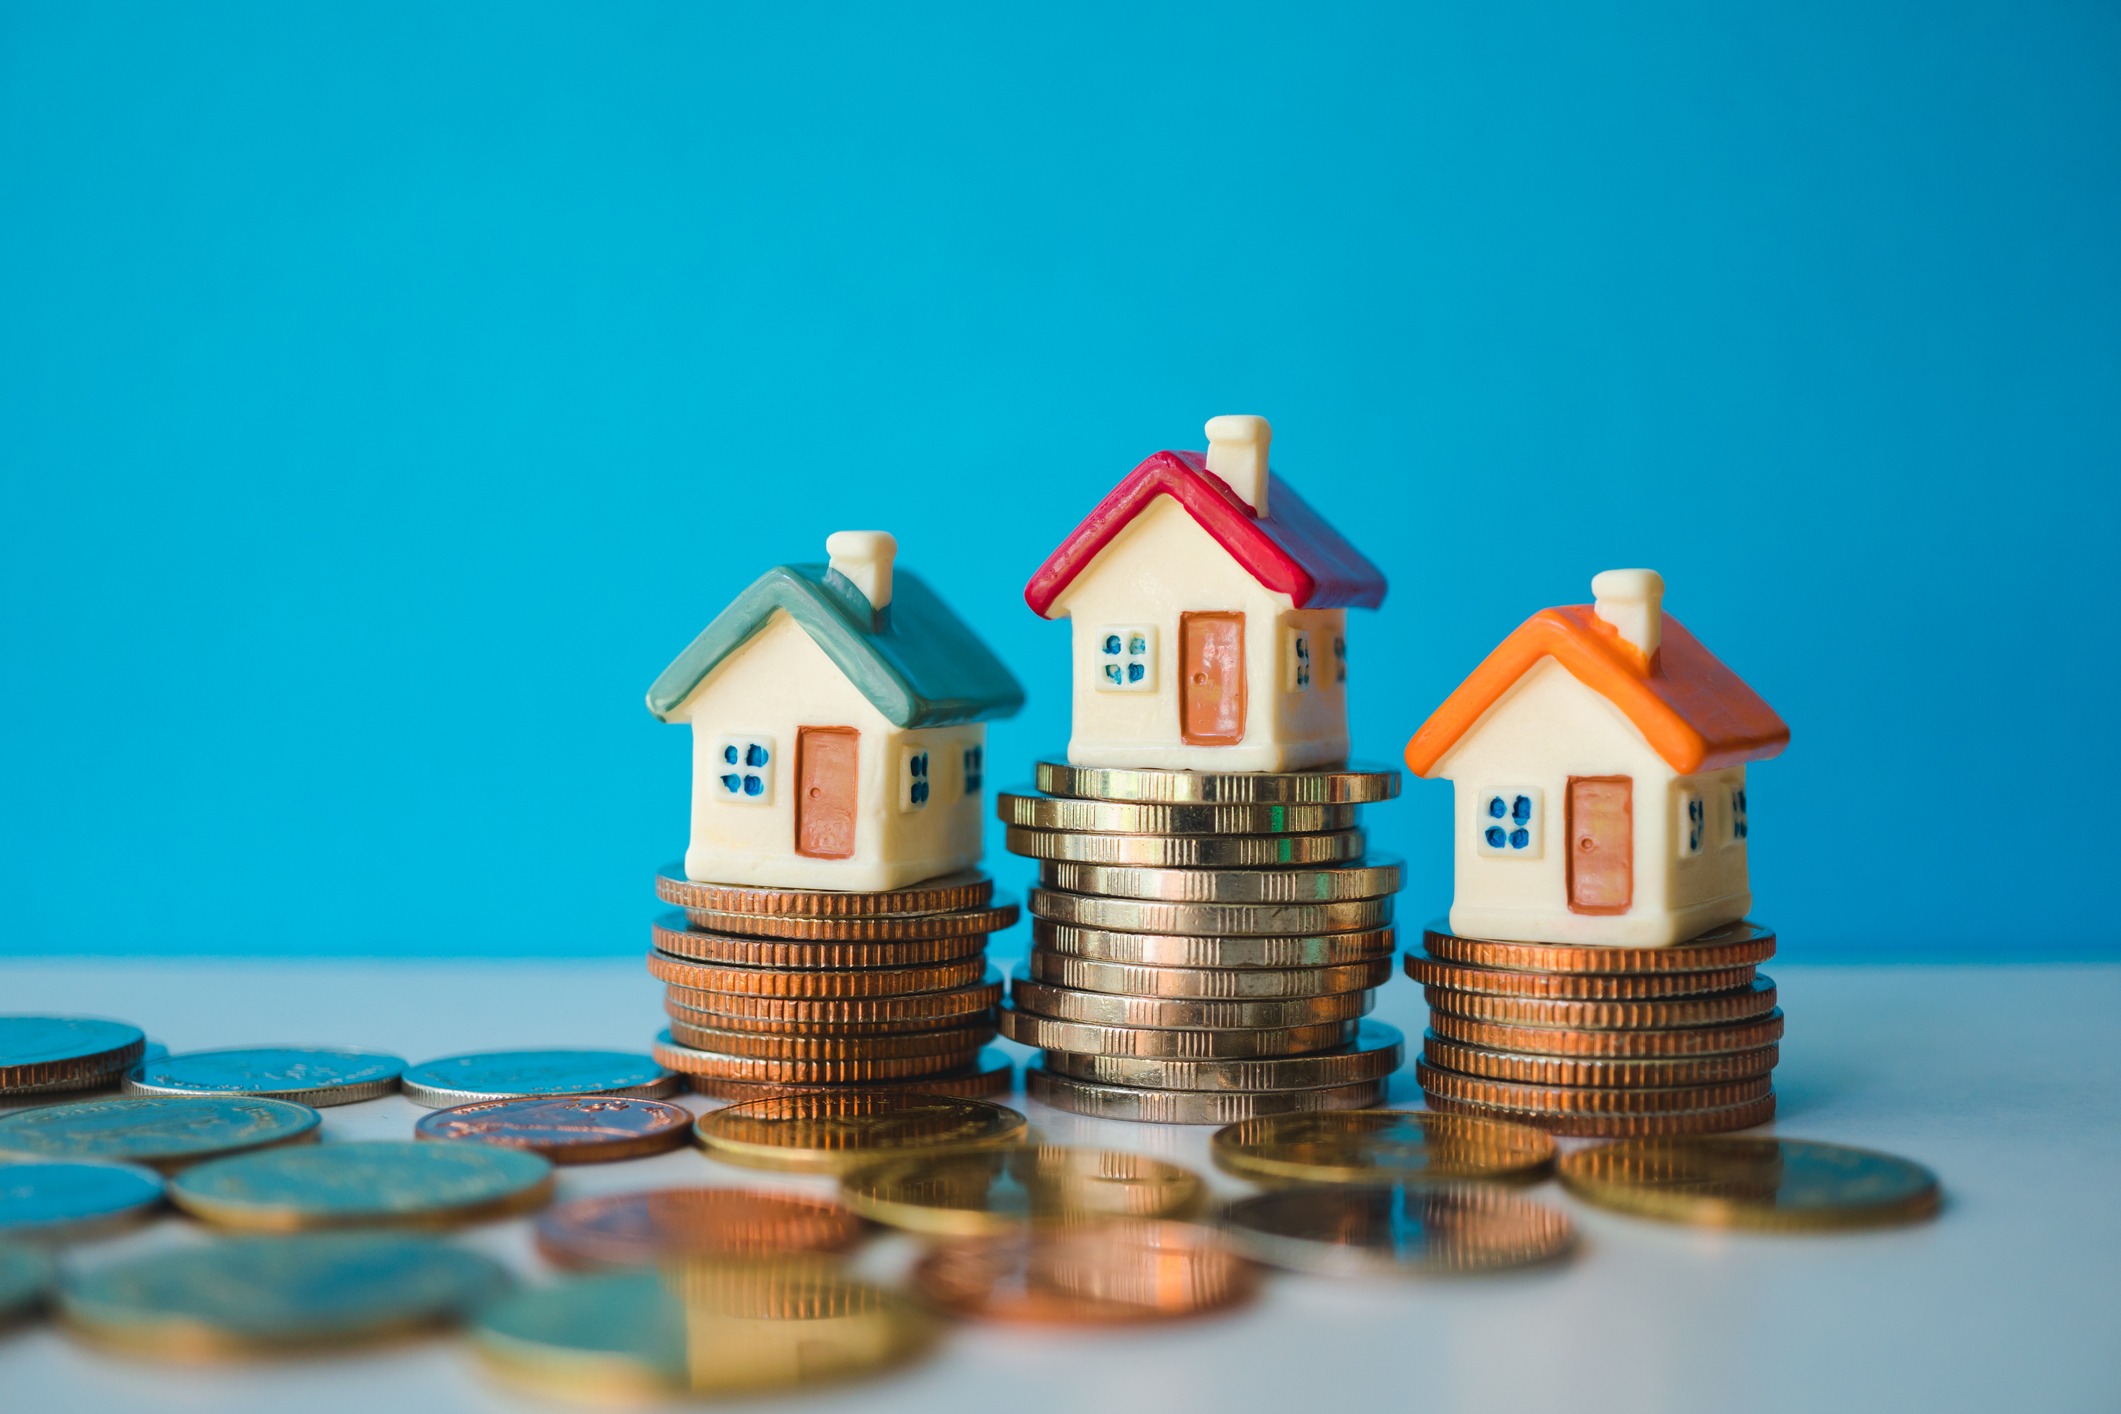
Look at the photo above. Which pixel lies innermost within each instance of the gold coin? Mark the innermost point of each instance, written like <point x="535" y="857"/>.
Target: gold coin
<point x="991" y="1075"/>
<point x="1732" y="945"/>
<point x="698" y="1328"/>
<point x="936" y="1008"/>
<point x="1571" y="1070"/>
<point x="1348" y="785"/>
<point x="1584" y="1099"/>
<point x="845" y="1070"/>
<point x="816" y="985"/>
<point x="949" y="894"/>
<point x="42" y="1054"/>
<point x="1090" y="1038"/>
<point x="371" y="1183"/>
<point x="998" y="1190"/>
<point x="1191" y="1106"/>
<point x="1614" y="1045"/>
<point x="1122" y="1271"/>
<point x="1208" y="983"/>
<point x="690" y="1224"/>
<point x="1785" y="1185"/>
<point x="1177" y="950"/>
<point x="162" y="1131"/>
<point x="1182" y="1013"/>
<point x="25" y="1275"/>
<point x="1371" y="877"/>
<point x="1740" y="1004"/>
<point x="883" y="928"/>
<point x="1104" y="817"/>
<point x="1409" y="1230"/>
<point x="1131" y="915"/>
<point x="1622" y="1126"/>
<point x="1187" y="851"/>
<point x="1574" y="986"/>
<point x="833" y="1131"/>
<point x="1381" y="1147"/>
<point x="787" y="1045"/>
<point x="674" y="936"/>
<point x="1375" y="1053"/>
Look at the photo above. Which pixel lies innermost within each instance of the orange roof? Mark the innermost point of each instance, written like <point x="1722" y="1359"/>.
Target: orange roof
<point x="1696" y="713"/>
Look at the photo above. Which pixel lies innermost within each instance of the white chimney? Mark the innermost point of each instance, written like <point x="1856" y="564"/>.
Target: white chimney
<point x="1632" y="601"/>
<point x="864" y="556"/>
<point x="1237" y="452"/>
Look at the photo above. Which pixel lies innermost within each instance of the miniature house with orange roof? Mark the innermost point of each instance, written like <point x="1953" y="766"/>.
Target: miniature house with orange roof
<point x="1209" y="605"/>
<point x="1599" y="759"/>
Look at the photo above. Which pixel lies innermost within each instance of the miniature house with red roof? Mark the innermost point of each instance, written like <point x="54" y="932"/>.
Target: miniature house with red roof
<point x="1599" y="760"/>
<point x="1209" y="606"/>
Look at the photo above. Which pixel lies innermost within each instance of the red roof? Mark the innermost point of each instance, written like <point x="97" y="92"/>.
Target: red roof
<point x="1292" y="549"/>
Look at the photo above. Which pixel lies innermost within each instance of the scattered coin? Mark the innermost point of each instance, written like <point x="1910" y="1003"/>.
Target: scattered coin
<point x="1381" y="1147"/>
<point x="1107" y="1009"/>
<point x="1090" y="1038"/>
<point x="930" y="1009"/>
<point x="277" y="1295"/>
<point x="306" y="1075"/>
<point x="370" y="1183"/>
<point x="1369" y="878"/>
<point x="1117" y="1272"/>
<point x="1207" y="983"/>
<point x="1616" y="1045"/>
<point x="1719" y="1009"/>
<point x="952" y="1039"/>
<point x="678" y="938"/>
<point x="567" y="1129"/>
<point x="1584" y="1099"/>
<point x="1041" y="812"/>
<point x="698" y="1328"/>
<point x="873" y="929"/>
<point x="832" y="1131"/>
<point x="68" y="1201"/>
<point x="1187" y="851"/>
<point x="39" y="1054"/>
<point x="25" y="1275"/>
<point x="1785" y="1185"/>
<point x="163" y="1132"/>
<point x="991" y="1075"/>
<point x="1575" y="986"/>
<point x="1191" y="1106"/>
<point x="950" y="894"/>
<point x="1405" y="1230"/>
<point x="1374" y="1054"/>
<point x="691" y="1224"/>
<point x="1129" y="915"/>
<point x="1178" y="950"/>
<point x="997" y="1190"/>
<point x="843" y="1070"/>
<point x="1732" y="945"/>
<point x="817" y="984"/>
<point x="1351" y="785"/>
<point x="508" y="1075"/>
<point x="1717" y="1120"/>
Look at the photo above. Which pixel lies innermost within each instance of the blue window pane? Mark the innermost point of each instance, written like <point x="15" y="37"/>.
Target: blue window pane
<point x="1496" y="809"/>
<point x="1112" y="643"/>
<point x="1111" y="672"/>
<point x="731" y="784"/>
<point x="1521" y="809"/>
<point x="754" y="785"/>
<point x="754" y="755"/>
<point x="1134" y="672"/>
<point x="1137" y="645"/>
<point x="1496" y="837"/>
<point x="1520" y="838"/>
<point x="729" y="753"/>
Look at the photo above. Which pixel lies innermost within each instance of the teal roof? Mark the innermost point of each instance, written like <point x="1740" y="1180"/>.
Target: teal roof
<point x="914" y="660"/>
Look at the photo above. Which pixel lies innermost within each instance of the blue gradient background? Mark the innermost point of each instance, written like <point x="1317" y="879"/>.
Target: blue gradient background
<point x="387" y="392"/>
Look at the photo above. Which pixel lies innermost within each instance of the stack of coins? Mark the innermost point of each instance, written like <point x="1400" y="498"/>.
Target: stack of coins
<point x="1601" y="1041"/>
<point x="777" y="990"/>
<point x="1203" y="945"/>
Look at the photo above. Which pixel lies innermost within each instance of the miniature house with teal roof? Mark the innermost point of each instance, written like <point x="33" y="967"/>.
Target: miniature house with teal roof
<point x="838" y="716"/>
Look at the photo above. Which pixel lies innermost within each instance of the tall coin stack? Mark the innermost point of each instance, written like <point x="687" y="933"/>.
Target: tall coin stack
<point x="1601" y="1041"/>
<point x="772" y="991"/>
<point x="1203" y="946"/>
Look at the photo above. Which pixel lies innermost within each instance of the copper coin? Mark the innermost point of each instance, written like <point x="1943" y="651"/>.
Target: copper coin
<point x="677" y="1004"/>
<point x="567" y="1129"/>
<point x="949" y="894"/>
<point x="1225" y="983"/>
<point x="1615" y="1045"/>
<point x="1178" y="950"/>
<point x="768" y="1070"/>
<point x="880" y="929"/>
<point x="1732" y="945"/>
<point x="1616" y="1126"/>
<point x="1746" y="1003"/>
<point x="937" y="1007"/>
<point x="1574" y="986"/>
<point x="673" y="936"/>
<point x="991" y="1075"/>
<point x="1584" y="1099"/>
<point x="1047" y="1033"/>
<point x="787" y="1045"/>
<point x="1121" y="1271"/>
<point x="815" y="985"/>
<point x="684" y="1224"/>
<point x="1184" y="1013"/>
<point x="1571" y="1070"/>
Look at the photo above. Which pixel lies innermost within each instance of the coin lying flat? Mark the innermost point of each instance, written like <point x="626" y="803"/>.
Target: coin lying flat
<point x="1584" y="1099"/>
<point x="693" y="1224"/>
<point x="1207" y="983"/>
<point x="1406" y="1230"/>
<point x="1122" y="1271"/>
<point x="1178" y="950"/>
<point x="675" y="936"/>
<point x="1715" y="1120"/>
<point x="1381" y="1147"/>
<point x="1091" y="1038"/>
<point x="832" y="1131"/>
<point x="1187" y="851"/>
<point x="1191" y="1106"/>
<point x="567" y="1129"/>
<point x="70" y="1200"/>
<point x="1184" y="1013"/>
<point x="949" y="894"/>
<point x="1371" y="877"/>
<point x="954" y="1039"/>
<point x="1575" y="986"/>
<point x="1611" y="1045"/>
<point x="275" y="1295"/>
<point x="816" y="984"/>
<point x="869" y="929"/>
<point x="1130" y="915"/>
<point x="509" y="1075"/>
<point x="841" y="1070"/>
<point x="1783" y="1185"/>
<point x="1104" y="817"/>
<point x="25" y="1275"/>
<point x="698" y="1328"/>
<point x="1717" y="1009"/>
<point x="367" y="1184"/>
<point x="1374" y="1054"/>
<point x="998" y="1190"/>
<point x="991" y="1075"/>
<point x="1357" y="784"/>
<point x="163" y="1132"/>
<point x="307" y="1075"/>
<point x="39" y="1054"/>
<point x="1531" y="1069"/>
<point x="930" y="1009"/>
<point x="1732" y="945"/>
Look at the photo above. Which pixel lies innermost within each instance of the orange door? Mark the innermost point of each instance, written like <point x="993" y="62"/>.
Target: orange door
<point x="1211" y="680"/>
<point x="1601" y="844"/>
<point x="825" y="791"/>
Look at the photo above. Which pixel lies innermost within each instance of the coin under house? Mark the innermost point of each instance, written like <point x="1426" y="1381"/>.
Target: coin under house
<point x="317" y="1076"/>
<point x="68" y="1201"/>
<point x="1358" y="783"/>
<point x="567" y="1129"/>
<point x="1398" y="1230"/>
<point x="163" y="1132"/>
<point x="508" y="1075"/>
<point x="1732" y="945"/>
<point x="1381" y="1147"/>
<point x="693" y="1224"/>
<point x="998" y="1190"/>
<point x="1781" y="1185"/>
<point x="1043" y="812"/>
<point x="1375" y="1053"/>
<point x="374" y="1183"/>
<point x="832" y="1131"/>
<point x="950" y="893"/>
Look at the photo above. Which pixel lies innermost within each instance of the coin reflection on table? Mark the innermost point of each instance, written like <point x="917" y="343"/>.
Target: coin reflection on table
<point x="1741" y="1181"/>
<point x="683" y="1224"/>
<point x="1401" y="1230"/>
<point x="997" y="1190"/>
<point x="569" y="1129"/>
<point x="1381" y="1147"/>
<point x="1120" y="1271"/>
<point x="830" y="1132"/>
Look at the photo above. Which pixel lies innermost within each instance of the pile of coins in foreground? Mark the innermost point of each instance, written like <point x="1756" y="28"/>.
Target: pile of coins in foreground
<point x="778" y="990"/>
<point x="1203" y="946"/>
<point x="1601" y="1041"/>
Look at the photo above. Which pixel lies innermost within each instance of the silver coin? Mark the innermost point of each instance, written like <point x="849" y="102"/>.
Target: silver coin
<point x="1188" y="851"/>
<point x="1354" y="784"/>
<point x="507" y="1075"/>
<point x="162" y="1131"/>
<point x="1413" y="1230"/>
<point x="1370" y="878"/>
<point x="1178" y="950"/>
<point x="69" y="1201"/>
<point x="1045" y="812"/>
<point x="25" y="1275"/>
<point x="1375" y="1053"/>
<point x="1191" y="1106"/>
<point x="1184" y="1013"/>
<point x="306" y="1075"/>
<point x="1048" y="1033"/>
<point x="1208" y="983"/>
<point x="1210" y="920"/>
<point x="43" y="1054"/>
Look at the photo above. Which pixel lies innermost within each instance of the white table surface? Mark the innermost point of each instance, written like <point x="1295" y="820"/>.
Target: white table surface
<point x="2006" y="1080"/>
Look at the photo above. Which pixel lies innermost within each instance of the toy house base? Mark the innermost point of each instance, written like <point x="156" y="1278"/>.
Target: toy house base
<point x="776" y="870"/>
<point x="1653" y="928"/>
